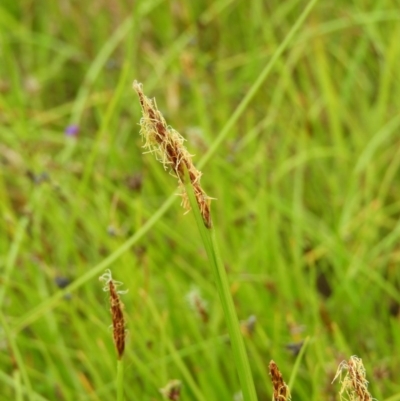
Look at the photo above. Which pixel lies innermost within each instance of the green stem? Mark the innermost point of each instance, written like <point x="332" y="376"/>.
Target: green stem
<point x="17" y="356"/>
<point x="120" y="380"/>
<point x="238" y="347"/>
<point x="221" y="280"/>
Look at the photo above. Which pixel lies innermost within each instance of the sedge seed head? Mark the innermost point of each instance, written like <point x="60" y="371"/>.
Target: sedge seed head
<point x="117" y="315"/>
<point x="168" y="147"/>
<point x="281" y="389"/>
<point x="354" y="384"/>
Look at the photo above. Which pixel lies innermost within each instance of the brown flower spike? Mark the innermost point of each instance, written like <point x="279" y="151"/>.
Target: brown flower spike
<point x="167" y="145"/>
<point x="354" y="384"/>
<point x="117" y="314"/>
<point x="281" y="389"/>
<point x="172" y="391"/>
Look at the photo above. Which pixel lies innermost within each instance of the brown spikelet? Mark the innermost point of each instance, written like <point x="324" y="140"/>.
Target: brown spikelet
<point x="203" y="313"/>
<point x="198" y="304"/>
<point x="172" y="391"/>
<point x="281" y="389"/>
<point x="117" y="315"/>
<point x="354" y="384"/>
<point x="167" y="145"/>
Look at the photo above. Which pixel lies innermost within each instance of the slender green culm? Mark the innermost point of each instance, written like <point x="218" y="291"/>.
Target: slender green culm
<point x="239" y="351"/>
<point x="120" y="380"/>
<point x="18" y="359"/>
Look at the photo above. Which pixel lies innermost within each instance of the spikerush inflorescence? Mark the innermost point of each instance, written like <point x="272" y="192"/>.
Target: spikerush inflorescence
<point x="168" y="147"/>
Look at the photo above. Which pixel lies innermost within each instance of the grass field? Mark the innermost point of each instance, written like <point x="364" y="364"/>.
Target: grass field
<point x="291" y="109"/>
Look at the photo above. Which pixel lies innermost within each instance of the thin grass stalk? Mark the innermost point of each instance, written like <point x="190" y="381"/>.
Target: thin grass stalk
<point x="35" y="313"/>
<point x="19" y="359"/>
<point x="187" y="375"/>
<point x="255" y="87"/>
<point x="242" y="364"/>
<point x="120" y="380"/>
<point x="297" y="363"/>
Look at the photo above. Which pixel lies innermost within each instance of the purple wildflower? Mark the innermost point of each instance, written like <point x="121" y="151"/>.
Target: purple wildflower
<point x="72" y="130"/>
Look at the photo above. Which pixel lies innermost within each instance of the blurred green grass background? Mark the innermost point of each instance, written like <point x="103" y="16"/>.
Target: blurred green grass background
<point x="306" y="185"/>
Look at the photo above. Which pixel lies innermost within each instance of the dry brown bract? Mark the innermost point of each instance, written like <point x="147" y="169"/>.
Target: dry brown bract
<point x="167" y="145"/>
